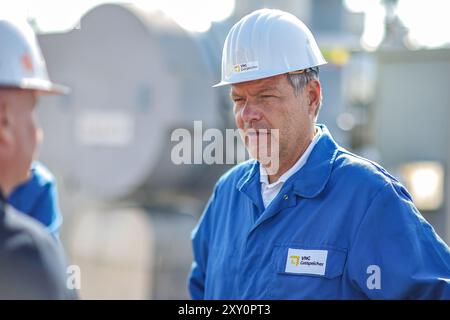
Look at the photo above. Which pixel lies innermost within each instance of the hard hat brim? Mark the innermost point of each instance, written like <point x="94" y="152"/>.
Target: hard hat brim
<point x="55" y="89"/>
<point x="221" y="84"/>
<point x="43" y="87"/>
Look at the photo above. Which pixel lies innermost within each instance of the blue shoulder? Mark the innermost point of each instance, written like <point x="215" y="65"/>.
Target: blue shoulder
<point x="364" y="173"/>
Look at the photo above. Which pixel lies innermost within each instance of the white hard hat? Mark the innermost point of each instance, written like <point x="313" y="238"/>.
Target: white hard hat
<point x="266" y="43"/>
<point x="21" y="62"/>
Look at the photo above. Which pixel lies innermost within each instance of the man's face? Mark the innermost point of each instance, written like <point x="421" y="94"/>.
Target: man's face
<point x="271" y="103"/>
<point x="20" y="129"/>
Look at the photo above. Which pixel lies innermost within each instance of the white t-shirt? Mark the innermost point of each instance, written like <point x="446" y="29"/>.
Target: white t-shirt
<point x="270" y="191"/>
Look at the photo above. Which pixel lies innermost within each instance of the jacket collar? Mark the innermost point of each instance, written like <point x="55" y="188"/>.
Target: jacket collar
<point x="309" y="181"/>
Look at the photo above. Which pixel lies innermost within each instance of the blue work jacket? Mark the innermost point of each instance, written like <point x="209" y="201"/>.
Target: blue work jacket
<point x="340" y="228"/>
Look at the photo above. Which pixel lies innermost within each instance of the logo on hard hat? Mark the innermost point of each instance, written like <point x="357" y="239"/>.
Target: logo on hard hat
<point x="245" y="67"/>
<point x="27" y="63"/>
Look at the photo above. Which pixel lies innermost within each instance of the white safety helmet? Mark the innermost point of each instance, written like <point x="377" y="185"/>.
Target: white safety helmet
<point x="21" y="62"/>
<point x="266" y="43"/>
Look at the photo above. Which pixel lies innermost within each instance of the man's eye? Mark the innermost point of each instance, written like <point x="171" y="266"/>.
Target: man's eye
<point x="238" y="100"/>
<point x="267" y="96"/>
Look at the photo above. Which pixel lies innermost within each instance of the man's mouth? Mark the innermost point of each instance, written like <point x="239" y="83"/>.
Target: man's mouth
<point x="256" y="132"/>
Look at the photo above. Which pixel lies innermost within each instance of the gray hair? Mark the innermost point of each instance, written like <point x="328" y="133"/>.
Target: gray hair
<point x="299" y="81"/>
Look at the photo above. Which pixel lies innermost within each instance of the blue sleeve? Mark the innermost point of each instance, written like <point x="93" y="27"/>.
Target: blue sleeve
<point x="200" y="239"/>
<point x="396" y="254"/>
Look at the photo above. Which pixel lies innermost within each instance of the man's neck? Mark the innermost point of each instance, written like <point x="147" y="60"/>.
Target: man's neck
<point x="284" y="167"/>
<point x="5" y="187"/>
<point x="290" y="162"/>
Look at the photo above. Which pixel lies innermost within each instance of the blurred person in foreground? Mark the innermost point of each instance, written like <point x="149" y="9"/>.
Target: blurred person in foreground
<point x="32" y="265"/>
<point x="322" y="223"/>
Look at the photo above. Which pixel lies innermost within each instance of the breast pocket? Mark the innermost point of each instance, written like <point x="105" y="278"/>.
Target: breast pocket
<point x="307" y="271"/>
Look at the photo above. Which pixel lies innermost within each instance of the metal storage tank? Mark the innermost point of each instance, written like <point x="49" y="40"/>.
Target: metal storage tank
<point x="135" y="77"/>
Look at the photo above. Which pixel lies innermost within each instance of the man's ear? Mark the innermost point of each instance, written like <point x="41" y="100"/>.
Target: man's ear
<point x="313" y="90"/>
<point x="5" y="122"/>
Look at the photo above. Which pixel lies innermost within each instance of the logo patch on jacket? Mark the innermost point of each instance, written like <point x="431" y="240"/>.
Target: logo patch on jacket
<point x="306" y="261"/>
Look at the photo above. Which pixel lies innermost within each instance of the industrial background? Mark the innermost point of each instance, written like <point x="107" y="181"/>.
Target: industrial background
<point x="136" y="75"/>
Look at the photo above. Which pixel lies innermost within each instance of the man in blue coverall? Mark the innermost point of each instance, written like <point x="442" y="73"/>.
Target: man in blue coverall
<point x="328" y="224"/>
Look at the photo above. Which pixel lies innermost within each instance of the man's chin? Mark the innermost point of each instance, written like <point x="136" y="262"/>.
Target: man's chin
<point x="24" y="175"/>
<point x="258" y="154"/>
<point x="23" y="178"/>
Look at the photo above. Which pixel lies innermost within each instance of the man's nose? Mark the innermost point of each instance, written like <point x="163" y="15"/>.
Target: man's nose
<point x="251" y="112"/>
